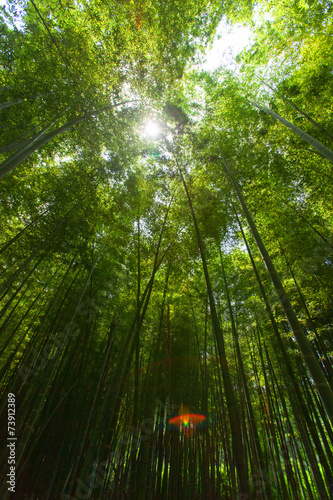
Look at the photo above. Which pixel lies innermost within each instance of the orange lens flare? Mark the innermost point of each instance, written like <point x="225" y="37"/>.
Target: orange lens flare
<point x="187" y="422"/>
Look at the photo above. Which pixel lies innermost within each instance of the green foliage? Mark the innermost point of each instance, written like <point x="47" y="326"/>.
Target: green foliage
<point x="104" y="300"/>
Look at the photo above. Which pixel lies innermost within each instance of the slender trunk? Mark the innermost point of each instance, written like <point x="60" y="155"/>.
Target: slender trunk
<point x="272" y="421"/>
<point x="4" y="288"/>
<point x="8" y="104"/>
<point x="298" y="214"/>
<point x="323" y="150"/>
<point x="311" y="120"/>
<point x="325" y="461"/>
<point x="37" y="142"/>
<point x="318" y="341"/>
<point x="233" y="410"/>
<point x="12" y="279"/>
<point x="6" y="245"/>
<point x="137" y="348"/>
<point x="83" y="438"/>
<point x="325" y="240"/>
<point x="16" y="349"/>
<point x="133" y="480"/>
<point x="269" y="428"/>
<point x="310" y="359"/>
<point x="113" y="396"/>
<point x="13" y="145"/>
<point x="15" y="159"/>
<point x="252" y="420"/>
<point x="296" y="399"/>
<point x="27" y="146"/>
<point x="43" y="391"/>
<point x="280" y="424"/>
<point x="21" y="141"/>
<point x="11" y="336"/>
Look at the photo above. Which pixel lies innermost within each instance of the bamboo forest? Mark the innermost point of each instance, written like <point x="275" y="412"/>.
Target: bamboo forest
<point x="166" y="250"/>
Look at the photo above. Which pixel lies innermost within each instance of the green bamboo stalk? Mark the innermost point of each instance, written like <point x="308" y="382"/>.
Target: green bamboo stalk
<point x="233" y="410"/>
<point x="310" y="359"/>
<point x="323" y="150"/>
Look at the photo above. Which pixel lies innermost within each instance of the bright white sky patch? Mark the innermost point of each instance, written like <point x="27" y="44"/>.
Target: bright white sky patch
<point x="152" y="130"/>
<point x="229" y="42"/>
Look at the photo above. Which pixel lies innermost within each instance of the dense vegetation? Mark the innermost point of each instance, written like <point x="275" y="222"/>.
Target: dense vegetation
<point x="142" y="279"/>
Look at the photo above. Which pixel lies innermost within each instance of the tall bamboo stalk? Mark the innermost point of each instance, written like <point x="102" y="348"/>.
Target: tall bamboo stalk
<point x="233" y="411"/>
<point x="323" y="150"/>
<point x="310" y="359"/>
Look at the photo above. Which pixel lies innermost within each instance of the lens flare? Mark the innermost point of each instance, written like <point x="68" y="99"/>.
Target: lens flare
<point x="187" y="422"/>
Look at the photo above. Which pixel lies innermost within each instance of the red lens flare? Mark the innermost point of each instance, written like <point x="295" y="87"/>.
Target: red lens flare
<point x="187" y="422"/>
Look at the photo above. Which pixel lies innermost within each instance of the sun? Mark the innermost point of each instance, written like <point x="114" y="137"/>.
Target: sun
<point x="152" y="129"/>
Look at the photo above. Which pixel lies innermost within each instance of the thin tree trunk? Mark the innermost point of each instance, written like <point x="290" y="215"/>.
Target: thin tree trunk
<point x="8" y="104"/>
<point x="311" y="120"/>
<point x="4" y="288"/>
<point x="298" y="404"/>
<point x="252" y="420"/>
<point x="301" y="410"/>
<point x="238" y="448"/>
<point x="310" y="359"/>
<point x="318" y="341"/>
<point x="83" y="438"/>
<point x="43" y="391"/>
<point x="323" y="150"/>
<point x="115" y="391"/>
<point x="14" y="160"/>
<point x="8" y="243"/>
<point x="13" y="145"/>
<point x="37" y="142"/>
